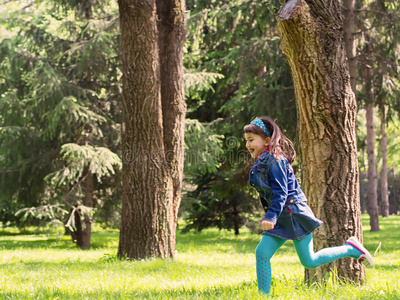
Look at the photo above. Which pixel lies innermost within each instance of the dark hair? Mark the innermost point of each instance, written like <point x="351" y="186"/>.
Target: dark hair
<point x="280" y="144"/>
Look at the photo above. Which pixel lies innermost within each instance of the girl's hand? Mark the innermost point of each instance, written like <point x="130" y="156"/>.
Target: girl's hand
<point x="266" y="225"/>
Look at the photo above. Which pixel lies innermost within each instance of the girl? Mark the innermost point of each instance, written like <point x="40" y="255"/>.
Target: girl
<point x="288" y="217"/>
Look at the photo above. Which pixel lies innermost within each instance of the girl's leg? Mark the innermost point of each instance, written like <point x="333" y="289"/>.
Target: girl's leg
<point x="309" y="259"/>
<point x="264" y="252"/>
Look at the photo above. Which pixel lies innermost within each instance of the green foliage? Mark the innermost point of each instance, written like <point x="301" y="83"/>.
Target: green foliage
<point x="202" y="148"/>
<point x="99" y="160"/>
<point x="195" y="80"/>
<point x="239" y="40"/>
<point x="68" y="111"/>
<point x="393" y="141"/>
<point x="59" y="102"/>
<point x="220" y="203"/>
<point x="378" y="22"/>
<point x="83" y="211"/>
<point x="50" y="212"/>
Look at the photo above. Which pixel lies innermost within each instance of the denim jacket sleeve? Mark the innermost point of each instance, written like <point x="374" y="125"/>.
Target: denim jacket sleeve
<point x="279" y="185"/>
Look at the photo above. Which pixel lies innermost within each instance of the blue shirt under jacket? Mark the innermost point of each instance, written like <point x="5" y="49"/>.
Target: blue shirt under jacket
<point x="282" y="198"/>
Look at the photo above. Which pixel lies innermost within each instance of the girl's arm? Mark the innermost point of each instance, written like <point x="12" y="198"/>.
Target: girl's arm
<point x="278" y="181"/>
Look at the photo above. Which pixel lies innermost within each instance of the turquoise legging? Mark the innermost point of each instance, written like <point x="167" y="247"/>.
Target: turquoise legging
<point x="305" y="250"/>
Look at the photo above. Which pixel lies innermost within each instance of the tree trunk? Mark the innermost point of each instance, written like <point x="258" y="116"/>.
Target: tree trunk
<point x="372" y="198"/>
<point x="368" y="93"/>
<point x="349" y="41"/>
<point x="236" y="220"/>
<point x="152" y="128"/>
<point x="87" y="220"/>
<point x="313" y="44"/>
<point x="86" y="227"/>
<point x="172" y="35"/>
<point x="384" y="171"/>
<point x="394" y="204"/>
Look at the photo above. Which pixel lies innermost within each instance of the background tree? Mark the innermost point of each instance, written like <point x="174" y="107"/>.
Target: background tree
<point x="59" y="73"/>
<point x="152" y="126"/>
<point x="378" y="35"/>
<point x="313" y="43"/>
<point x="368" y="91"/>
<point x="240" y="41"/>
<point x="384" y="171"/>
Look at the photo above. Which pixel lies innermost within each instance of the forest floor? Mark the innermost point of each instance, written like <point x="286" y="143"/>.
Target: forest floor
<point x="212" y="264"/>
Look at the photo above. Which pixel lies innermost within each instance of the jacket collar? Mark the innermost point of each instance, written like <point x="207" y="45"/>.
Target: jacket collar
<point x="262" y="155"/>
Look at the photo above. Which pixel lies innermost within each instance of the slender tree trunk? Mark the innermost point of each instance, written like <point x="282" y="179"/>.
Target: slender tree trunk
<point x="87" y="220"/>
<point x="172" y="35"/>
<point x="384" y="171"/>
<point x="313" y="43"/>
<point x="152" y="126"/>
<point x="85" y="230"/>
<point x="372" y="198"/>
<point x="236" y="220"/>
<point x="394" y="207"/>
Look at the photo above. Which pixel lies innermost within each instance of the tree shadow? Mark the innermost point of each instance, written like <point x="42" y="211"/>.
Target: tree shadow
<point x="246" y="288"/>
<point x="31" y="241"/>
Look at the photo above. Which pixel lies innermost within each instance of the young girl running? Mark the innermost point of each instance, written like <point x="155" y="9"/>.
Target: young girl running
<point x="288" y="217"/>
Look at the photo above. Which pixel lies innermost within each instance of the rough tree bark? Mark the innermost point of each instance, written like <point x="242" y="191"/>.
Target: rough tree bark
<point x="384" y="171"/>
<point x="349" y="40"/>
<point x="152" y="36"/>
<point x="172" y="35"/>
<point x="312" y="40"/>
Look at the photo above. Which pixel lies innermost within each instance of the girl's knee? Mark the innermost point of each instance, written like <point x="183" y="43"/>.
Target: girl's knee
<point x="263" y="252"/>
<point x="260" y="252"/>
<point x="309" y="264"/>
<point x="268" y="246"/>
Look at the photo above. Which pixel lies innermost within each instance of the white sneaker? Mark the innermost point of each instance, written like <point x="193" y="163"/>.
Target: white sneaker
<point x="365" y="254"/>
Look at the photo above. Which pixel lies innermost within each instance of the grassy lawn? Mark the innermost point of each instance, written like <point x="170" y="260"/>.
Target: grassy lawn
<point x="210" y="265"/>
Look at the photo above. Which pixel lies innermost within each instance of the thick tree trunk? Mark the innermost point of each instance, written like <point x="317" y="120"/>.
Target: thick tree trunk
<point x="384" y="171"/>
<point x="152" y="126"/>
<point x="349" y="41"/>
<point x="313" y="43"/>
<point x="172" y="35"/>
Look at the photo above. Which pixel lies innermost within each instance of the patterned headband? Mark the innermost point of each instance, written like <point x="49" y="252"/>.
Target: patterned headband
<point x="258" y="122"/>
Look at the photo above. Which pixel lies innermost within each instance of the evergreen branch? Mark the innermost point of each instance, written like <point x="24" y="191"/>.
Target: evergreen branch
<point x="65" y="197"/>
<point x="199" y="80"/>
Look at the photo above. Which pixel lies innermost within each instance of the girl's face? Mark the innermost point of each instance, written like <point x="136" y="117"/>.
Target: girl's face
<point x="256" y="144"/>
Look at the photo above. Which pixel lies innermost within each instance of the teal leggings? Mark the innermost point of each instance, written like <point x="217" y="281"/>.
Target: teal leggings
<point x="305" y="250"/>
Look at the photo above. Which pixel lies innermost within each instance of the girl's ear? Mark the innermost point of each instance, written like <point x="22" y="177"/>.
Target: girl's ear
<point x="267" y="141"/>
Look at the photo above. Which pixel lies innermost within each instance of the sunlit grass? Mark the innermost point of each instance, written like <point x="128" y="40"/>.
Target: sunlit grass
<point x="211" y="265"/>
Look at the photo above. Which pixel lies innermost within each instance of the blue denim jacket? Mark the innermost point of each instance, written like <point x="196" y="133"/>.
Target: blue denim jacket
<point x="281" y="196"/>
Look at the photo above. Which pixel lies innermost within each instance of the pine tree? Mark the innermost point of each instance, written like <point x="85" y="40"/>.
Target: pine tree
<point x="61" y="75"/>
<point x="239" y="40"/>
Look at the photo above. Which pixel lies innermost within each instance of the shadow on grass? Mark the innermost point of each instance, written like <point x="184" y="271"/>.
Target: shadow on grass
<point x="99" y="240"/>
<point x="248" y="290"/>
<point x="388" y="235"/>
<point x="223" y="242"/>
<point x="209" y="240"/>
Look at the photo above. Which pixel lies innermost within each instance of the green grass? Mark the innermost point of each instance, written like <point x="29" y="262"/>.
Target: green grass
<point x="210" y="265"/>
